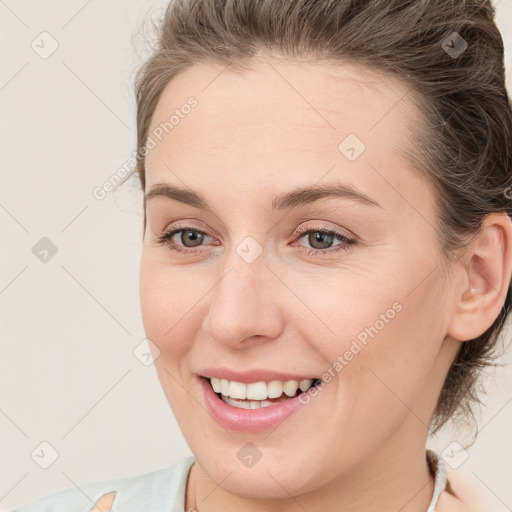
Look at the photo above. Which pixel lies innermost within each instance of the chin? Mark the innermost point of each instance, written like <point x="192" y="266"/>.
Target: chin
<point x="272" y="477"/>
<point x="255" y="483"/>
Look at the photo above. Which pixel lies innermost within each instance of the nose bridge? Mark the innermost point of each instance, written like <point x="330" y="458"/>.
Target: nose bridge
<point x="242" y="304"/>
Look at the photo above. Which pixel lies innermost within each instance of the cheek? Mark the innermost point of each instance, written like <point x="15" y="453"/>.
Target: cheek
<point x="170" y="305"/>
<point x="373" y="333"/>
<point x="379" y="358"/>
<point x="336" y="312"/>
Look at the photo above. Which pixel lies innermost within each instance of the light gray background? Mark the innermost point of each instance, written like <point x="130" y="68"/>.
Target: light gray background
<point x="69" y="326"/>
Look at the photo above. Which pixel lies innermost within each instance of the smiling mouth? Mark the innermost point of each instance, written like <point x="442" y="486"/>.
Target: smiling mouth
<point x="259" y="394"/>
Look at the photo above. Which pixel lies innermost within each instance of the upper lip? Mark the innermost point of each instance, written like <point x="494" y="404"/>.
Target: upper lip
<point x="254" y="375"/>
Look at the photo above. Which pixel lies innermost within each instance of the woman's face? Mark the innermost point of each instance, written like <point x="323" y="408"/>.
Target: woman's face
<point x="256" y="281"/>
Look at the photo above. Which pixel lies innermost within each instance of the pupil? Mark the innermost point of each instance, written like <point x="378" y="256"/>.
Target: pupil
<point x="320" y="237"/>
<point x="194" y="237"/>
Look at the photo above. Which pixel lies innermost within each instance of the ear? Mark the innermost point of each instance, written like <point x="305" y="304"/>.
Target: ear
<point x="486" y="271"/>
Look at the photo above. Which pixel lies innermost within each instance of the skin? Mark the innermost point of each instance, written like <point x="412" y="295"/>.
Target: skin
<point x="105" y="503"/>
<point x="360" y="443"/>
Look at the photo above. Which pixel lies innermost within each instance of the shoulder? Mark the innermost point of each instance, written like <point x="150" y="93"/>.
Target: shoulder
<point x="466" y="493"/>
<point x="162" y="489"/>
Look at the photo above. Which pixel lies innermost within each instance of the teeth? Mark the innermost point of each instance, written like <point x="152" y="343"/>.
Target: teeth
<point x="290" y="387"/>
<point x="256" y="391"/>
<point x="259" y="390"/>
<point x="274" y="389"/>
<point x="246" y="404"/>
<point x="304" y="385"/>
<point x="215" y="384"/>
<point x="237" y="390"/>
<point x="224" y="387"/>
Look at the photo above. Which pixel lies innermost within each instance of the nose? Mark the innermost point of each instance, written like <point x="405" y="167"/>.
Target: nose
<point x="244" y="304"/>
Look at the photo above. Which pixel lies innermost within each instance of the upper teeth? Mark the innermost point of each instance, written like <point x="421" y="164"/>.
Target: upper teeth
<point x="259" y="390"/>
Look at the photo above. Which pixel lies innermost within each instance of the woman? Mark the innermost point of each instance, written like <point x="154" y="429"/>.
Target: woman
<point x="327" y="250"/>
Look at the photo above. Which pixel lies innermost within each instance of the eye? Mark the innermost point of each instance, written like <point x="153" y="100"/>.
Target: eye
<point x="321" y="241"/>
<point x="190" y="238"/>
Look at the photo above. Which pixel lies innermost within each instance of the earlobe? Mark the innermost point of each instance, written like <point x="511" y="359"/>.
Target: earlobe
<point x="485" y="278"/>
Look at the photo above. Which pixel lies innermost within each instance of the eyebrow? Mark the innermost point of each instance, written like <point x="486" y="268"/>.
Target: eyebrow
<point x="292" y="199"/>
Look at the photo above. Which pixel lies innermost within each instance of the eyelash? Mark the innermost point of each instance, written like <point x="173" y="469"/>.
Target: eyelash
<point x="346" y="243"/>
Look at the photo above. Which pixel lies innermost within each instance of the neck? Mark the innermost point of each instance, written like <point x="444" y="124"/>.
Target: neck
<point x="396" y="477"/>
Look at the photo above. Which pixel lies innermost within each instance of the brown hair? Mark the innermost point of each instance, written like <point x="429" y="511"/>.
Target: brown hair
<point x="465" y="147"/>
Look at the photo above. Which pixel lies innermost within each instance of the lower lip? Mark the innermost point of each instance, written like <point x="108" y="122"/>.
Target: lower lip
<point x="248" y="420"/>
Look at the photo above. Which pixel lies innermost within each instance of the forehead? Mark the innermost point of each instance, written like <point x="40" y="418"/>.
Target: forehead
<point x="276" y="95"/>
<point x="281" y="121"/>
